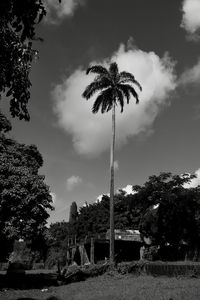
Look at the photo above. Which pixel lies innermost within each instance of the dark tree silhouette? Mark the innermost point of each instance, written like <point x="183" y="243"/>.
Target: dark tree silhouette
<point x="73" y="214"/>
<point x="24" y="196"/>
<point x="18" y="20"/>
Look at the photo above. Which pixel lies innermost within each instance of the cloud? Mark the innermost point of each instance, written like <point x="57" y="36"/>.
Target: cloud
<point x="128" y="190"/>
<point x="57" y="11"/>
<point x="194" y="182"/>
<point x="116" y="165"/>
<point x="91" y="133"/>
<point x="191" y="17"/>
<point x="53" y="195"/>
<point x="73" y="182"/>
<point x="192" y="75"/>
<point x="100" y="197"/>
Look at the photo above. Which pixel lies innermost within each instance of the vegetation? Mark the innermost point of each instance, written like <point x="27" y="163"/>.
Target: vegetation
<point x="18" y="20"/>
<point x="113" y="87"/>
<point x="57" y="237"/>
<point x="24" y="196"/>
<point x="162" y="209"/>
<point x="73" y="214"/>
<point x="171" y="212"/>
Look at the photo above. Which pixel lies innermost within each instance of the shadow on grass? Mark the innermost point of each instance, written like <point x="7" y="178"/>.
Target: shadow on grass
<point x="28" y="281"/>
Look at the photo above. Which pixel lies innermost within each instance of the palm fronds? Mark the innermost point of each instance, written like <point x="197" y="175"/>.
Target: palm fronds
<point x="112" y="87"/>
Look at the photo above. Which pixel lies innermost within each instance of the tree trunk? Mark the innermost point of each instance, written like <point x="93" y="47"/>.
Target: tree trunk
<point x="112" y="232"/>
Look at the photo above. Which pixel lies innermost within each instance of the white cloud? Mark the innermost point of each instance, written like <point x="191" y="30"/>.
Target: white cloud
<point x="192" y="75"/>
<point x="100" y="197"/>
<point x="73" y="182"/>
<point x="91" y="133"/>
<point x="116" y="165"/>
<point x="128" y="190"/>
<point x="191" y="16"/>
<point x="53" y="195"/>
<point x="195" y="181"/>
<point x="57" y="11"/>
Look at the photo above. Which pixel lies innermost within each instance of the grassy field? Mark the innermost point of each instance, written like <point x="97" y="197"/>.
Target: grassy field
<point x="115" y="287"/>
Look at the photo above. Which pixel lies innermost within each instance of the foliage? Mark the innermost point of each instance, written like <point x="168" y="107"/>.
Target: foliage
<point x="73" y="214"/>
<point x="162" y="209"/>
<point x="23" y="253"/>
<point x="5" y="124"/>
<point x="24" y="196"/>
<point x="93" y="219"/>
<point x="171" y="211"/>
<point x="113" y="86"/>
<point x="57" y="236"/>
<point x="18" y="20"/>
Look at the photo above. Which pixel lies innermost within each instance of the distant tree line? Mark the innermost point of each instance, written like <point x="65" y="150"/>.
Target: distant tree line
<point x="163" y="209"/>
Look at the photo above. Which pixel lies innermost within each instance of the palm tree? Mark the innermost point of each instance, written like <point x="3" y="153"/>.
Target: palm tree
<point x="113" y="87"/>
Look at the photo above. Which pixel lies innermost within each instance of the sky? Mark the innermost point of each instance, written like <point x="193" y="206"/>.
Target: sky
<point x="156" y="40"/>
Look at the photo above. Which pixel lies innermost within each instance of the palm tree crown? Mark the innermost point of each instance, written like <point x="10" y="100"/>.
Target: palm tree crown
<point x="113" y="87"/>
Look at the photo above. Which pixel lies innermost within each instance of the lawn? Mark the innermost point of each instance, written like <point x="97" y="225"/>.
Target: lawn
<point x="115" y="287"/>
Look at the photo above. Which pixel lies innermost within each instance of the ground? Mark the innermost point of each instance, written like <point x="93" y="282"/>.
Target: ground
<point x="115" y="287"/>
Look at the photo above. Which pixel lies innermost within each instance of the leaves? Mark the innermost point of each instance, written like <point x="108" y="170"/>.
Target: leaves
<point x="128" y="77"/>
<point x="169" y="216"/>
<point x="17" y="28"/>
<point x="98" y="69"/>
<point x="24" y="196"/>
<point x="112" y="87"/>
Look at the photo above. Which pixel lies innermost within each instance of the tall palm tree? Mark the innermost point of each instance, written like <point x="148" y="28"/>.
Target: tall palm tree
<point x="113" y="87"/>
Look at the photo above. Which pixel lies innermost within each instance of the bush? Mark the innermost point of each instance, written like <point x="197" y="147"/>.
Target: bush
<point x="135" y="267"/>
<point x="3" y="266"/>
<point x="151" y="253"/>
<point x="95" y="270"/>
<point x="38" y="266"/>
<point x="55" y="256"/>
<point x="15" y="269"/>
<point x="23" y="254"/>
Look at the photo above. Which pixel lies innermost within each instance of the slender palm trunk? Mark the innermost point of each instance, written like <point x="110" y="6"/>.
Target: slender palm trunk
<point x="112" y="232"/>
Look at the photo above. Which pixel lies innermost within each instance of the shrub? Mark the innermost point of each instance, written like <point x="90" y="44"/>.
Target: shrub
<point x="151" y="253"/>
<point x="55" y="256"/>
<point x="135" y="267"/>
<point x="3" y="266"/>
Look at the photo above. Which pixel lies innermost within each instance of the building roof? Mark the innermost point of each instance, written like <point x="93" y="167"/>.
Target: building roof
<point x="126" y="235"/>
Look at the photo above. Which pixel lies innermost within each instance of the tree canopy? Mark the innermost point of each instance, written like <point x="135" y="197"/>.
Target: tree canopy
<point x="171" y="212"/>
<point x="18" y="20"/>
<point x="24" y="196"/>
<point x="163" y="209"/>
<point x="113" y="86"/>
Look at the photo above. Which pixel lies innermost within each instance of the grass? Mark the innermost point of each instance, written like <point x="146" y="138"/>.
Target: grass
<point x="113" y="286"/>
